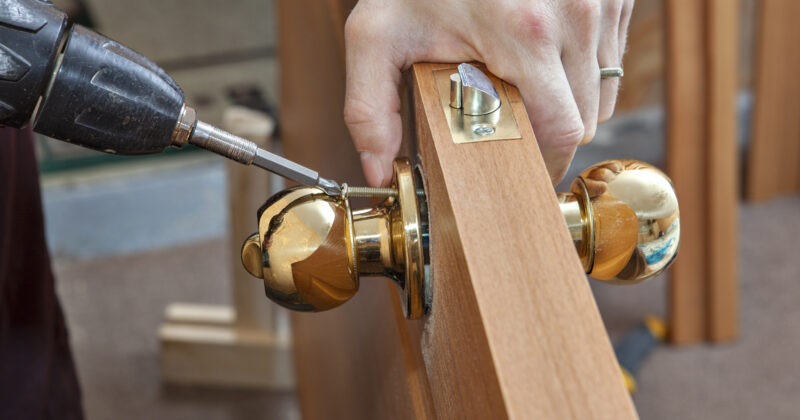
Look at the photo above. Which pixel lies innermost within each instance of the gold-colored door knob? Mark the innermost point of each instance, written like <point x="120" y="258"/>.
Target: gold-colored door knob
<point x="624" y="219"/>
<point x="311" y="248"/>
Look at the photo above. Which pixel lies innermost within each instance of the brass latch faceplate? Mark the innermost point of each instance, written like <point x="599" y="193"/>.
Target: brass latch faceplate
<point x="459" y="100"/>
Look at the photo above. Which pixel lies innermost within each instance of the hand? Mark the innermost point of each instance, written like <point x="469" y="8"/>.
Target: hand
<point x="551" y="50"/>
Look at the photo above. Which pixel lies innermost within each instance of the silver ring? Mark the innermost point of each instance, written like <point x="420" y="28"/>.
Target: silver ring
<point x="610" y="72"/>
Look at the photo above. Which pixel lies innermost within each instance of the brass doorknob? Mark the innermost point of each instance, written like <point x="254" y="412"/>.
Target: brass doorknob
<point x="624" y="219"/>
<point x="311" y="248"/>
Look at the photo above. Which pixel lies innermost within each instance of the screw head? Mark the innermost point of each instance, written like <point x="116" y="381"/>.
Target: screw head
<point x="483" y="130"/>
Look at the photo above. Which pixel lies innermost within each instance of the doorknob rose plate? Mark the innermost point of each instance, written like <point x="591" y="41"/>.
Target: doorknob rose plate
<point x="311" y="249"/>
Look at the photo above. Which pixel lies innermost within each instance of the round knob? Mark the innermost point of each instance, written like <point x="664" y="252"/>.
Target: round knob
<point x="301" y="250"/>
<point x="311" y="248"/>
<point x="624" y="219"/>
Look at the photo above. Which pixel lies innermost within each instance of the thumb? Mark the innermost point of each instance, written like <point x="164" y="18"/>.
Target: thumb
<point x="372" y="100"/>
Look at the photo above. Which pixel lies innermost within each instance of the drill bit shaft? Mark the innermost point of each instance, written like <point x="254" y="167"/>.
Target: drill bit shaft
<point x="246" y="152"/>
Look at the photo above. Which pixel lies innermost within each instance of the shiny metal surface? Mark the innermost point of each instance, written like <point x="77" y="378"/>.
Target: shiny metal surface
<point x="306" y="249"/>
<point x="311" y="247"/>
<point x="349" y="191"/>
<point x="478" y="94"/>
<point x="373" y="229"/>
<point x="455" y="91"/>
<point x="184" y="127"/>
<point x="629" y="230"/>
<point x="330" y="186"/>
<point x="251" y="256"/>
<point x="208" y="137"/>
<point x="611" y="72"/>
<point x="407" y="235"/>
<point x="498" y="125"/>
<point x="573" y="214"/>
<point x="246" y="152"/>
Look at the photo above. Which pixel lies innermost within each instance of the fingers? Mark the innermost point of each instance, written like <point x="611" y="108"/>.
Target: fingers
<point x="561" y="87"/>
<point x="579" y="56"/>
<point x="554" y="114"/>
<point x="616" y="16"/>
<point x="553" y="56"/>
<point x="372" y="101"/>
<point x="624" y="22"/>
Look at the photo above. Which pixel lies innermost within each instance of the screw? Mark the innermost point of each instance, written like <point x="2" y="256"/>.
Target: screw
<point x="483" y="130"/>
<point x="348" y="191"/>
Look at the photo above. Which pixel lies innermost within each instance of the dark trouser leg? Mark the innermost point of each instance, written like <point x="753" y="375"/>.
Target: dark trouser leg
<point x="37" y="374"/>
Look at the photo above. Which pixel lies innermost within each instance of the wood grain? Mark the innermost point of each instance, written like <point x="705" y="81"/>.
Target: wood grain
<point x="247" y="344"/>
<point x="702" y="160"/>
<point x="312" y="88"/>
<point x="643" y="84"/>
<point x="246" y="189"/>
<point x="772" y="168"/>
<point x="353" y="362"/>
<point x="686" y="160"/>
<point x="723" y="170"/>
<point x="514" y="330"/>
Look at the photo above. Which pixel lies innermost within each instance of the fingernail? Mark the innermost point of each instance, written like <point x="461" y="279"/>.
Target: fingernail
<point x="373" y="170"/>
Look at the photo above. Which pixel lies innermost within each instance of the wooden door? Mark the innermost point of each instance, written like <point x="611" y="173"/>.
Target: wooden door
<point x="514" y="331"/>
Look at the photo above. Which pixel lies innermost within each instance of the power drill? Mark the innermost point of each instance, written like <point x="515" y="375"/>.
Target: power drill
<point x="83" y="88"/>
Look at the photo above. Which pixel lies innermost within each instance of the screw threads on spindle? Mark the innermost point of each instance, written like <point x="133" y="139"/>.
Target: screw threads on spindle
<point x="349" y="191"/>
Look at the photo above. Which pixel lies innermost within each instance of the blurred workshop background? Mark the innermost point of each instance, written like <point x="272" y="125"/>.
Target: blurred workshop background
<point x="132" y="236"/>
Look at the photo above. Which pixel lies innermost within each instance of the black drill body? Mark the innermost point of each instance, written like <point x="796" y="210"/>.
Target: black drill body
<point x="90" y="90"/>
<point x="83" y="88"/>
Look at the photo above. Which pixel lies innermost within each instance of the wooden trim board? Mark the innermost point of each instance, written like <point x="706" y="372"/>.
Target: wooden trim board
<point x="503" y="261"/>
<point x="772" y="168"/>
<point x="702" y="160"/>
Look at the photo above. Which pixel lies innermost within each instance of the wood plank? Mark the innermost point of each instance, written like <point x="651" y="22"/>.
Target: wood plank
<point x="514" y="330"/>
<point x="702" y="159"/>
<point x="772" y="168"/>
<point x="356" y="361"/>
<point x="352" y="362"/>
<point x="643" y="84"/>
<point x="723" y="171"/>
<point x="312" y="90"/>
<point x="515" y="335"/>
<point x="686" y="160"/>
<point x="246" y="189"/>
<point x="247" y="344"/>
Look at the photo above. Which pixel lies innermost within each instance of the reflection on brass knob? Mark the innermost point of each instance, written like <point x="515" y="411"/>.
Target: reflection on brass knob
<point x="624" y="220"/>
<point x="311" y="248"/>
